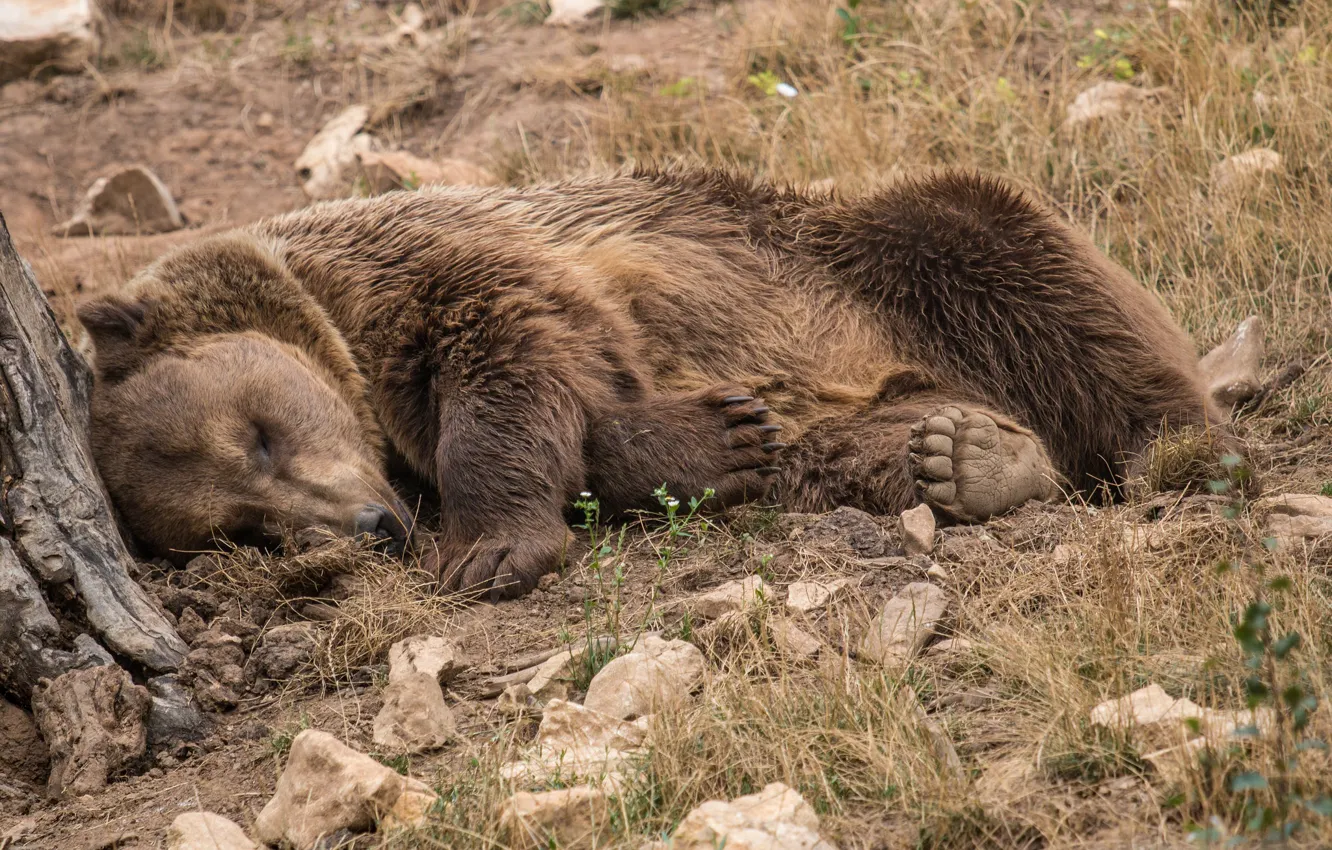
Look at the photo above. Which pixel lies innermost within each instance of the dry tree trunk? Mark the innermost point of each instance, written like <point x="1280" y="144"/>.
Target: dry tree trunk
<point x="60" y="550"/>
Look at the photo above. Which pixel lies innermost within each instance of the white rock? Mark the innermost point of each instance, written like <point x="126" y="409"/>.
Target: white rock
<point x="1158" y="720"/>
<point x="917" y="527"/>
<point x="1142" y="538"/>
<point x="1064" y="554"/>
<point x="206" y="831"/>
<point x="1231" y="369"/>
<point x="569" y="818"/>
<point x="414" y="717"/>
<point x="1144" y="707"/>
<point x="390" y="170"/>
<point x="58" y="34"/>
<point x="568" y="12"/>
<point x="777" y="818"/>
<point x="1104" y="100"/>
<point x="803" y="597"/>
<point x="325" y="166"/>
<point x="657" y="673"/>
<point x="570" y="726"/>
<point x="1183" y="7"/>
<point x="1175" y="764"/>
<point x="1296" y="518"/>
<point x="516" y="700"/>
<point x="327" y="786"/>
<point x="951" y="646"/>
<point x="1244" y="172"/>
<point x="905" y="624"/>
<point x="597" y="766"/>
<point x="1297" y="504"/>
<point x="793" y="641"/>
<point x="131" y="201"/>
<point x="732" y="596"/>
<point x="433" y="656"/>
<point x="555" y="677"/>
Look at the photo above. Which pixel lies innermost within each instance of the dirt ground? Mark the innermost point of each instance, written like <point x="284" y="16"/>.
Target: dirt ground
<point x="1063" y="606"/>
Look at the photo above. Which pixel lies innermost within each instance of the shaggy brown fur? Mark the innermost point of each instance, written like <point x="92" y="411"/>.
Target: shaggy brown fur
<point x="516" y="346"/>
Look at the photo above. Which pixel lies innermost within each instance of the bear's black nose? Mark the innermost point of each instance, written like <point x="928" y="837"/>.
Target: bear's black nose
<point x="384" y="523"/>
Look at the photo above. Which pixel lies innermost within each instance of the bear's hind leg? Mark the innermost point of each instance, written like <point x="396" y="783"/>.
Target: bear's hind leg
<point x="715" y="439"/>
<point x="966" y="461"/>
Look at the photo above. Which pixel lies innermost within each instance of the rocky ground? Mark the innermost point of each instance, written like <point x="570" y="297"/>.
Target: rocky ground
<point x="1148" y="674"/>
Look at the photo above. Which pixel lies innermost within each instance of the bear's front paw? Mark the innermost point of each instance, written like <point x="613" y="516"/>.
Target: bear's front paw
<point x="502" y="565"/>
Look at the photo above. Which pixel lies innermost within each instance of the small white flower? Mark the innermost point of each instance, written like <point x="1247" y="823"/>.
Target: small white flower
<point x="786" y="90"/>
<point x="585" y="495"/>
<point x="672" y="502"/>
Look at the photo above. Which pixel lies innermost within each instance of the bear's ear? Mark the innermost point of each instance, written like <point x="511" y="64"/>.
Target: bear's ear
<point x="112" y="321"/>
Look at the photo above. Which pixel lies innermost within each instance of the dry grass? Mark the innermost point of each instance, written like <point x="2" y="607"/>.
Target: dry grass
<point x="378" y="599"/>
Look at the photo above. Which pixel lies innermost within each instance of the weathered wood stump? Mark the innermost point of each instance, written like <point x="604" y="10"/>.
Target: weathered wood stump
<point x="64" y="569"/>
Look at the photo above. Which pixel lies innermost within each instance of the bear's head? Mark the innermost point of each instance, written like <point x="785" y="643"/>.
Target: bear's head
<point x="203" y="432"/>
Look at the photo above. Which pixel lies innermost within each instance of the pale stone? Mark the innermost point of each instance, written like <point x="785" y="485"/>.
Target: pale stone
<point x="917" y="527"/>
<point x="1159" y="721"/>
<point x="951" y="646"/>
<point x="1150" y="715"/>
<point x="1146" y="706"/>
<point x="567" y="12"/>
<point x="1175" y="764"/>
<point x="1105" y="100"/>
<point x="58" y="34"/>
<point x="905" y="624"/>
<point x="1244" y="172"/>
<point x="554" y="678"/>
<point x="1297" y="504"/>
<point x="516" y="700"/>
<point x="937" y="572"/>
<point x="1142" y="538"/>
<point x="732" y="596"/>
<point x="596" y="766"/>
<point x="206" y="831"/>
<point x="777" y="818"/>
<point x="327" y="786"/>
<point x="657" y="673"/>
<point x="569" y="818"/>
<point x="390" y="170"/>
<point x="1296" y="518"/>
<point x="1231" y="369"/>
<point x="802" y="597"/>
<point x="94" y="722"/>
<point x="129" y="202"/>
<point x="793" y="641"/>
<point x="569" y="726"/>
<point x="414" y="717"/>
<point x="324" y="167"/>
<point x="434" y="656"/>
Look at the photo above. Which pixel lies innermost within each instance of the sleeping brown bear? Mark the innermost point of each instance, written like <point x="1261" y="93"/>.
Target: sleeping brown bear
<point x="945" y="339"/>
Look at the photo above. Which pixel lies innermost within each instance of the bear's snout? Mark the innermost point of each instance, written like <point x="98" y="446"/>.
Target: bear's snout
<point x="392" y="524"/>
